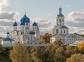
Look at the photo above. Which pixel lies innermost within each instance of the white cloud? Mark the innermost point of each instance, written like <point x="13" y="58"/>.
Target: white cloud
<point x="44" y="24"/>
<point x="4" y="29"/>
<point x="3" y="4"/>
<point x="75" y="20"/>
<point x="9" y="15"/>
<point x="6" y="17"/>
<point x="75" y="16"/>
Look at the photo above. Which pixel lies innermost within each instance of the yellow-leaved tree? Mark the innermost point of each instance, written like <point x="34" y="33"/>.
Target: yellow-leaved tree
<point x="76" y="58"/>
<point x="81" y="46"/>
<point x="20" y="53"/>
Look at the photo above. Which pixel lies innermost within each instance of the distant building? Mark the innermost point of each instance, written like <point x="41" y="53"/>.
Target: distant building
<point x="60" y="31"/>
<point x="23" y="34"/>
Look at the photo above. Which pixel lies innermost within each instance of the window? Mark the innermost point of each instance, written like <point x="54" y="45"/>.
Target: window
<point x="17" y="32"/>
<point x="21" y="33"/>
<point x="57" y="31"/>
<point x="60" y="20"/>
<point x="64" y="31"/>
<point x="61" y="31"/>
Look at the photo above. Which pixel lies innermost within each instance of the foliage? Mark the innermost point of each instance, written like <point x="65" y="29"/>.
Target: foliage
<point x="81" y="46"/>
<point x="55" y="52"/>
<point x="45" y="38"/>
<point x="4" y="54"/>
<point x="20" y="53"/>
<point x="76" y="58"/>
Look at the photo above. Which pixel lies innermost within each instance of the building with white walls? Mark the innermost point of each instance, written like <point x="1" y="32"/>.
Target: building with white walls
<point x="23" y="33"/>
<point x="60" y="31"/>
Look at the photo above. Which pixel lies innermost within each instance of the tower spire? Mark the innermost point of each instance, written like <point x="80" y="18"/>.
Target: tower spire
<point x="25" y="12"/>
<point x="60" y="10"/>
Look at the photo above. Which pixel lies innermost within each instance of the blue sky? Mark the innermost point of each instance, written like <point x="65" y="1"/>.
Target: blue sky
<point x="45" y="8"/>
<point x="44" y="12"/>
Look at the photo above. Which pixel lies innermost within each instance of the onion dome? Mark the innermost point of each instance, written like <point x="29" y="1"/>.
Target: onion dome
<point x="35" y="24"/>
<point x="15" y="24"/>
<point x="60" y="13"/>
<point x="24" y="20"/>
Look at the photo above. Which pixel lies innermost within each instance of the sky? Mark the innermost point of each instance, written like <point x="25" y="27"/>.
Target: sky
<point x="44" y="12"/>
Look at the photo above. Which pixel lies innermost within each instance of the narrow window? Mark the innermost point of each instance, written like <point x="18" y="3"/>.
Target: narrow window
<point x="60" y="20"/>
<point x="57" y="31"/>
<point x="61" y="31"/>
<point x="64" y="31"/>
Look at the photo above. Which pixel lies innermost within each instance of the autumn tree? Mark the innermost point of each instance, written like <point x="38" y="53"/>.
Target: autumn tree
<point x="59" y="56"/>
<point x="76" y="58"/>
<point x="36" y="53"/>
<point x="54" y="53"/>
<point x="81" y="47"/>
<point x="20" y="53"/>
<point x="45" y="38"/>
<point x="69" y="50"/>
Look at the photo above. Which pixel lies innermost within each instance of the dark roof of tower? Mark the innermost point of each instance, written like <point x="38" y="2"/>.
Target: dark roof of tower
<point x="60" y="13"/>
<point x="64" y="27"/>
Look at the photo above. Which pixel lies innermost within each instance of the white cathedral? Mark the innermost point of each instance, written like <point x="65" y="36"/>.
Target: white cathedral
<point x="60" y="31"/>
<point x="23" y="33"/>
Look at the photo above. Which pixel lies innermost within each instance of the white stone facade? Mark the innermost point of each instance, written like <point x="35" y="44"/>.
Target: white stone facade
<point x="23" y="34"/>
<point x="60" y="31"/>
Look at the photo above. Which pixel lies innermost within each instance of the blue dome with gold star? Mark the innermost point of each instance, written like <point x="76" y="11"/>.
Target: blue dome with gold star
<point x="25" y="20"/>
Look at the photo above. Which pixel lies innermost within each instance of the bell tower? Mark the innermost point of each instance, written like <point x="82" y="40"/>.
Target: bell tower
<point x="60" y="18"/>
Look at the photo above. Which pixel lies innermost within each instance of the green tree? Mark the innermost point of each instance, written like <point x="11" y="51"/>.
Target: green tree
<point x="1" y="50"/>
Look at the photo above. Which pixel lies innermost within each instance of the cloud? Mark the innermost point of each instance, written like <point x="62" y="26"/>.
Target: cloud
<point x="76" y="16"/>
<point x="44" y="24"/>
<point x="9" y="15"/>
<point x="7" y="18"/>
<point x="3" y="4"/>
<point x="75" y="20"/>
<point x="4" y="30"/>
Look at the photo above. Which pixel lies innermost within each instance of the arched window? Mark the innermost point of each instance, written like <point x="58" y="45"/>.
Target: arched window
<point x="64" y="31"/>
<point x="60" y="20"/>
<point x="61" y="31"/>
<point x="57" y="31"/>
<point x="21" y="33"/>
